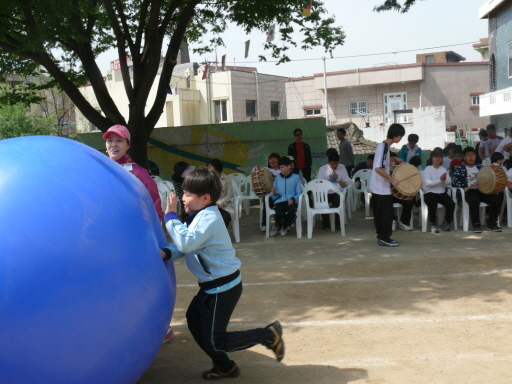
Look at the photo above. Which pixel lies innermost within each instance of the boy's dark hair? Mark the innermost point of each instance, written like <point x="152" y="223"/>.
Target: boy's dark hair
<point x="497" y="156"/>
<point x="392" y="154"/>
<point x="285" y="160"/>
<point x="457" y="151"/>
<point x="202" y="181"/>
<point x="371" y="157"/>
<point x="342" y="130"/>
<point x="297" y="130"/>
<point x="491" y="127"/>
<point x="333" y="157"/>
<point x="483" y="133"/>
<point x="395" y="130"/>
<point x="468" y="150"/>
<point x="449" y="147"/>
<point x="217" y="164"/>
<point x="413" y="138"/>
<point x="180" y="167"/>
<point x="329" y="151"/>
<point x="437" y="152"/>
<point x="415" y="160"/>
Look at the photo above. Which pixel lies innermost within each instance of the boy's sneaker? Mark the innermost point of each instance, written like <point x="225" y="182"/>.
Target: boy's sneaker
<point x="493" y="227"/>
<point x="389" y="243"/>
<point x="404" y="226"/>
<point x="169" y="335"/>
<point x="274" y="231"/>
<point x="477" y="228"/>
<point x="434" y="229"/>
<point x="277" y="346"/>
<point x="264" y="228"/>
<point x="393" y="226"/>
<point x="446" y="226"/>
<point x="284" y="231"/>
<point x="217" y="373"/>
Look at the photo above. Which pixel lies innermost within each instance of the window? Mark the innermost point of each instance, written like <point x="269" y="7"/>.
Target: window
<point x="313" y="112"/>
<point x="221" y="111"/>
<point x="250" y="108"/>
<point x="429" y="59"/>
<point x="510" y="59"/>
<point x="357" y="107"/>
<point x="475" y="100"/>
<point x="274" y="109"/>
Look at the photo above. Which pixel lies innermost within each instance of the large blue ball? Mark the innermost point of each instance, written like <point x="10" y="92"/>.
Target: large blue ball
<point x="84" y="294"/>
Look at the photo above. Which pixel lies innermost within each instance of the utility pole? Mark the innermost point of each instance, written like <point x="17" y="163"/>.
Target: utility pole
<point x="327" y="122"/>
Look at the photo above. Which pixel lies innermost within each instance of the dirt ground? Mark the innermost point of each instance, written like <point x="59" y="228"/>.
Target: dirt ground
<point x="437" y="309"/>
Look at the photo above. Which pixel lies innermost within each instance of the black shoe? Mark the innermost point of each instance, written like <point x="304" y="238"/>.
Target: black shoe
<point x="446" y="226"/>
<point x="433" y="228"/>
<point x="477" y="228"/>
<point x="389" y="243"/>
<point x="493" y="227"/>
<point x="277" y="346"/>
<point x="216" y="373"/>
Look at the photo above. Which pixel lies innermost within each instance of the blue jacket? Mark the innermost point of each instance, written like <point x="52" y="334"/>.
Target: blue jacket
<point x="405" y="151"/>
<point x="288" y="187"/>
<point x="206" y="246"/>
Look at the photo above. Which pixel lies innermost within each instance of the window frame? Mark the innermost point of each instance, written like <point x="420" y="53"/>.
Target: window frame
<point x="223" y="119"/>
<point x="314" y="112"/>
<point x="473" y="98"/>
<point x="247" y="112"/>
<point x="358" y="107"/>
<point x="275" y="109"/>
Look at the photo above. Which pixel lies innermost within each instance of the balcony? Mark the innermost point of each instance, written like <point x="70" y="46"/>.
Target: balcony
<point x="487" y="7"/>
<point x="496" y="103"/>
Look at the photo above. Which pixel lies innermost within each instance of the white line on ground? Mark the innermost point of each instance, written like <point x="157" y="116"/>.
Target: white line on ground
<point x="380" y="320"/>
<point x="366" y="279"/>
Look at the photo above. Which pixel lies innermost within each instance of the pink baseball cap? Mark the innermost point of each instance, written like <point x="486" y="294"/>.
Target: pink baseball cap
<point x="121" y="130"/>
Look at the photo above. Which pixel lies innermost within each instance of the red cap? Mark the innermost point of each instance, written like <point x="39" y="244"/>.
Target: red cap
<point x="121" y="130"/>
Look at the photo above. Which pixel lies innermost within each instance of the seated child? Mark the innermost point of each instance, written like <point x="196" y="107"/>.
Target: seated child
<point x="210" y="256"/>
<point x="457" y="160"/>
<point x="416" y="161"/>
<point x="448" y="152"/>
<point x="464" y="177"/>
<point x="285" y="195"/>
<point x="410" y="149"/>
<point x="337" y="174"/>
<point x="435" y="179"/>
<point x="497" y="158"/>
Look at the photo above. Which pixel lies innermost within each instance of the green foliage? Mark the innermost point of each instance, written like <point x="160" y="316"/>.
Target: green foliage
<point x="395" y="5"/>
<point x="15" y="120"/>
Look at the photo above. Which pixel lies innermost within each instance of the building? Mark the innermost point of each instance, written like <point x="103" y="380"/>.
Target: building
<point x="379" y="96"/>
<point x="202" y="95"/>
<point x="497" y="104"/>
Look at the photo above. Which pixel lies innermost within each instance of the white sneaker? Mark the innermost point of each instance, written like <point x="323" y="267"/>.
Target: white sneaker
<point x="273" y="231"/>
<point x="393" y="226"/>
<point x="264" y="228"/>
<point x="404" y="227"/>
<point x="284" y="231"/>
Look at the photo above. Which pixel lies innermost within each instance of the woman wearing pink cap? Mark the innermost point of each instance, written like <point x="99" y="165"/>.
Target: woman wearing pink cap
<point x="118" y="142"/>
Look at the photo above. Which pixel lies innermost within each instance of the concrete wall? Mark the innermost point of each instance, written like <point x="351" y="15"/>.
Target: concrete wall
<point x="240" y="146"/>
<point x="428" y="124"/>
<point x="450" y="85"/>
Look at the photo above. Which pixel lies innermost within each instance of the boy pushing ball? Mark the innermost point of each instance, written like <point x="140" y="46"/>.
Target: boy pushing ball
<point x="205" y="243"/>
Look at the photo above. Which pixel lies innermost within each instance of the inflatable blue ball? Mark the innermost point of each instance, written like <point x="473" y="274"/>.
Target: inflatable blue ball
<point x="85" y="296"/>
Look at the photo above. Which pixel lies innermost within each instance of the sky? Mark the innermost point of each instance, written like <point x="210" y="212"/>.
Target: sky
<point x="430" y="26"/>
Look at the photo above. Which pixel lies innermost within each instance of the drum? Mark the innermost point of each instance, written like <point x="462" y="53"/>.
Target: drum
<point x="262" y="182"/>
<point x="410" y="181"/>
<point x="491" y="180"/>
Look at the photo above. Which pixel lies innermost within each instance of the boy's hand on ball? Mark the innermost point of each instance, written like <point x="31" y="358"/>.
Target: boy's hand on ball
<point x="172" y="203"/>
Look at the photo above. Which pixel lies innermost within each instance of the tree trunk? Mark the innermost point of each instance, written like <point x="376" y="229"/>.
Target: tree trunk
<point x="139" y="141"/>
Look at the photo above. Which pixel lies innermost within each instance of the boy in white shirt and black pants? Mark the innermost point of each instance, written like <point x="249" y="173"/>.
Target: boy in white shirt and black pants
<point x="380" y="184"/>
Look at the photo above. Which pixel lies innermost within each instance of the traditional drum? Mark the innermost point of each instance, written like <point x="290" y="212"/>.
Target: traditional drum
<point x="262" y="182"/>
<point x="410" y="181"/>
<point x="491" y="180"/>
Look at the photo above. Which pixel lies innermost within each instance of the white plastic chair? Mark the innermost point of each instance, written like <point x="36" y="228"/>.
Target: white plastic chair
<point x="364" y="176"/>
<point x="270" y="212"/>
<point x="508" y="200"/>
<point x="398" y="208"/>
<point x="163" y="191"/>
<point x="319" y="189"/>
<point x="235" y="223"/>
<point x="246" y="195"/>
<point x="237" y="178"/>
<point x="441" y="211"/>
<point x="465" y="209"/>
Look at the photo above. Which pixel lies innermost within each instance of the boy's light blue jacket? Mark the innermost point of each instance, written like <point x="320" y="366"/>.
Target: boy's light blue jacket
<point x="206" y="246"/>
<point x="287" y="187"/>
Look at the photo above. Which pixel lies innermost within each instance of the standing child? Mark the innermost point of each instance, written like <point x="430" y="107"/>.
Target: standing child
<point x="410" y="149"/>
<point x="380" y="186"/>
<point x="285" y="195"/>
<point x="204" y="242"/>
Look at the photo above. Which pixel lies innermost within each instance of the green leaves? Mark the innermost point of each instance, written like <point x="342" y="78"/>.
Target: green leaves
<point x="15" y="120"/>
<point x="395" y="5"/>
